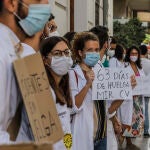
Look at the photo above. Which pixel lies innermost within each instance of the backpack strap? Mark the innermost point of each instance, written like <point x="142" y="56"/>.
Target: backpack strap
<point x="72" y="115"/>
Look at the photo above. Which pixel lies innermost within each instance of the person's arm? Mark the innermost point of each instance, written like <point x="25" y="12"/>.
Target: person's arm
<point x="114" y="106"/>
<point x="79" y="98"/>
<point x="112" y="111"/>
<point x="116" y="124"/>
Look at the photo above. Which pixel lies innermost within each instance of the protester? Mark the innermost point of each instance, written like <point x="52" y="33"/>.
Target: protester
<point x="118" y="59"/>
<point x="102" y="33"/>
<point x="122" y="108"/>
<point x="100" y="139"/>
<point x="15" y="29"/>
<point x="132" y="60"/>
<point x="86" y="47"/>
<point x="146" y="67"/>
<point x="57" y="60"/>
<point x="113" y="123"/>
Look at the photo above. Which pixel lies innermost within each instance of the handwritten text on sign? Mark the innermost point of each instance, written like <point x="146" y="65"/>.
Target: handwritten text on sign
<point x="111" y="84"/>
<point x="38" y="99"/>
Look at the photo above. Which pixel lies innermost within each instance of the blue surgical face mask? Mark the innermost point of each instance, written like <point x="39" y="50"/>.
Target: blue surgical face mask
<point x="91" y="58"/>
<point x="38" y="15"/>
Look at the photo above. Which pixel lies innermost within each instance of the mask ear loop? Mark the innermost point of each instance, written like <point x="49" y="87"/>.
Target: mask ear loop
<point x="17" y="15"/>
<point x="25" y="5"/>
<point x="45" y="62"/>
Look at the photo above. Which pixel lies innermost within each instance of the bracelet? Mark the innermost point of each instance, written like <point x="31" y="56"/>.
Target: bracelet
<point x="111" y="115"/>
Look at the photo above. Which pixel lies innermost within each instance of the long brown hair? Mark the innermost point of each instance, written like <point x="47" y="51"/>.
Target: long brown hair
<point x="62" y="91"/>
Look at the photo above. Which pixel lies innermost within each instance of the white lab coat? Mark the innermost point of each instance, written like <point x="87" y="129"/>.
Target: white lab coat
<point x="9" y="91"/>
<point x="64" y="116"/>
<point x="114" y="63"/>
<point x="111" y="137"/>
<point x="82" y="125"/>
<point x="145" y="65"/>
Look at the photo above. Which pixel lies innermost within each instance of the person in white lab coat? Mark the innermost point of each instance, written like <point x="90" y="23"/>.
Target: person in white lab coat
<point x="57" y="60"/>
<point x="14" y="28"/>
<point x="133" y="61"/>
<point x="146" y="67"/>
<point x="120" y="106"/>
<point x="86" y="49"/>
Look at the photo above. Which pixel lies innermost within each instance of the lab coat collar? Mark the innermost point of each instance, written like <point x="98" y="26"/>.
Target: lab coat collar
<point x="11" y="37"/>
<point x="79" y="72"/>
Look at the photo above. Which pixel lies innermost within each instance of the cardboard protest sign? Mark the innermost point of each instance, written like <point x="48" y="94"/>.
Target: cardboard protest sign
<point x="30" y="146"/>
<point x="111" y="84"/>
<point x="37" y="97"/>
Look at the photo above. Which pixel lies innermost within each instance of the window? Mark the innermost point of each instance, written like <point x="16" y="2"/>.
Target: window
<point x="97" y="7"/>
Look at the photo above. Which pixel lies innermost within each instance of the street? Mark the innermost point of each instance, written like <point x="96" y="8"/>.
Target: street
<point x="142" y="143"/>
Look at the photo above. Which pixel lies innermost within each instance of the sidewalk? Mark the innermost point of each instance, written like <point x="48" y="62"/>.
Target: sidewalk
<point x="142" y="143"/>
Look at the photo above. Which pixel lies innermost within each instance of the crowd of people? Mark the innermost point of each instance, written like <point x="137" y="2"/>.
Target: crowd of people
<point x="28" y="27"/>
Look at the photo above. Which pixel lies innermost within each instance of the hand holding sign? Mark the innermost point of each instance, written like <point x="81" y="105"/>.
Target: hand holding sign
<point x="89" y="75"/>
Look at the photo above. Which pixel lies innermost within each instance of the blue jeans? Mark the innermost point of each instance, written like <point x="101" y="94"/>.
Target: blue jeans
<point x="101" y="145"/>
<point x="146" y="122"/>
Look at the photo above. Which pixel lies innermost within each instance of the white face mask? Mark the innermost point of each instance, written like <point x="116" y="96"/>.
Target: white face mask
<point x="111" y="53"/>
<point x="55" y="33"/>
<point x="61" y="65"/>
<point x="133" y="58"/>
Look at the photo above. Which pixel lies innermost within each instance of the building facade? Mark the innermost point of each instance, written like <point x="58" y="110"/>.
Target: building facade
<point x="126" y="9"/>
<point x="81" y="15"/>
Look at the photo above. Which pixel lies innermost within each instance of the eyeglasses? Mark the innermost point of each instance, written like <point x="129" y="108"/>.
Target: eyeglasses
<point x="132" y="53"/>
<point x="59" y="53"/>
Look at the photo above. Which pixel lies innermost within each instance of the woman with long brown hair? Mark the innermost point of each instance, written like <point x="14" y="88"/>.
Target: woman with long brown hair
<point x="57" y="60"/>
<point x="133" y="60"/>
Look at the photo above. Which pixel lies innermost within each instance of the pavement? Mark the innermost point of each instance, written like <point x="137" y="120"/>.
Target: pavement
<point x="140" y="142"/>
